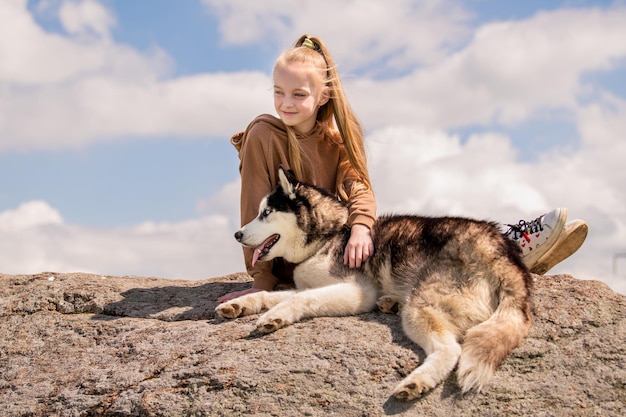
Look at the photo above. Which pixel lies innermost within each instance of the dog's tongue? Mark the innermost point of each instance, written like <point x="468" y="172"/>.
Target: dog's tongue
<point x="255" y="255"/>
<point x="259" y="251"/>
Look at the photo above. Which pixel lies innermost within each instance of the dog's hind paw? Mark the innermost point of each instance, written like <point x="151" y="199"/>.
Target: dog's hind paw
<point x="389" y="305"/>
<point x="230" y="310"/>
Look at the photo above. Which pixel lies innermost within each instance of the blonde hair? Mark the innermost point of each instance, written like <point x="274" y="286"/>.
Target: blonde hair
<point x="312" y="51"/>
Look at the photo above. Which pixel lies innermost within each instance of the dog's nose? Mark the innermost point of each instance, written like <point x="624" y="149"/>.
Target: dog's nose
<point x="239" y="235"/>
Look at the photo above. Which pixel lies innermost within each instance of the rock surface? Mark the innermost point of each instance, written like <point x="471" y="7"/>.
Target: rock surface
<point x="87" y="345"/>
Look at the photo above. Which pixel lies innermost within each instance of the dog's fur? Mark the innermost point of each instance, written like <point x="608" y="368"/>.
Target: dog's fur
<point x="462" y="287"/>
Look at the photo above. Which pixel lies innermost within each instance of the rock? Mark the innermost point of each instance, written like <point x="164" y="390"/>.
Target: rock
<point x="89" y="345"/>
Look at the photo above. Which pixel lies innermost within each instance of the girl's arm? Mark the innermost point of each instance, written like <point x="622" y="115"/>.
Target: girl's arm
<point x="362" y="214"/>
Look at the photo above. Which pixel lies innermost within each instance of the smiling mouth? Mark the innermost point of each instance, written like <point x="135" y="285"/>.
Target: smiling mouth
<point x="263" y="249"/>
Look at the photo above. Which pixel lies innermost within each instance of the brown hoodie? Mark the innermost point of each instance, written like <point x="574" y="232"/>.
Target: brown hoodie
<point x="263" y="148"/>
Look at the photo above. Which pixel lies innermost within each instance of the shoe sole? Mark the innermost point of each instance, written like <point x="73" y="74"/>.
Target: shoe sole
<point x="531" y="259"/>
<point x="572" y="239"/>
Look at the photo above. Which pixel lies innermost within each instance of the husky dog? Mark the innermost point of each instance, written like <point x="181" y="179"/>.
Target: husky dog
<point x="463" y="288"/>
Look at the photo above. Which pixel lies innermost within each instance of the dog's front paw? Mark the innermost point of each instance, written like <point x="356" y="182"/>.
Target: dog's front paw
<point x="271" y="321"/>
<point x="413" y="386"/>
<point x="389" y="305"/>
<point x="268" y="326"/>
<point x="230" y="309"/>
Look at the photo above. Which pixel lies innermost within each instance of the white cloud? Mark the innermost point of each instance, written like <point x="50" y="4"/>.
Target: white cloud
<point x="41" y="59"/>
<point x="401" y="34"/>
<point x="431" y="172"/>
<point x="105" y="108"/>
<point x="85" y="17"/>
<point x="28" y="215"/>
<point x="226" y="200"/>
<point x="34" y="239"/>
<point x="510" y="72"/>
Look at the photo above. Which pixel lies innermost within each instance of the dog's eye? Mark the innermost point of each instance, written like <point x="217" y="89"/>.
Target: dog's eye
<point x="266" y="212"/>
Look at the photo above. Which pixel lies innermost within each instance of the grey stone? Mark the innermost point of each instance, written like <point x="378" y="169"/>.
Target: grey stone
<point x="87" y="345"/>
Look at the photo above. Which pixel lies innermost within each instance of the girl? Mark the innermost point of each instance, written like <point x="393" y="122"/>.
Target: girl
<point x="319" y="137"/>
<point x="309" y="100"/>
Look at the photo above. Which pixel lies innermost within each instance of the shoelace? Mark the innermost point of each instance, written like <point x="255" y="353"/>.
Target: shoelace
<point x="523" y="228"/>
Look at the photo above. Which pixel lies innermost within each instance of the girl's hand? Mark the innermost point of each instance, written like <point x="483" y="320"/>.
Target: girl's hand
<point x="236" y="294"/>
<point x="360" y="246"/>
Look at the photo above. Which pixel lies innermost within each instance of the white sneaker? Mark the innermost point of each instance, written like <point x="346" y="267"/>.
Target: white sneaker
<point x="571" y="239"/>
<point x="536" y="237"/>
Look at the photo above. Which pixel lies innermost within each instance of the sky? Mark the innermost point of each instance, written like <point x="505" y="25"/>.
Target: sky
<point x="116" y="115"/>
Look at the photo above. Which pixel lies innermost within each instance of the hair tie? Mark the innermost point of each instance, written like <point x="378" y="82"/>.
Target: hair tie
<point x="308" y="43"/>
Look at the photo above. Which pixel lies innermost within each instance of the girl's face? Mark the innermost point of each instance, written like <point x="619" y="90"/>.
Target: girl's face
<point x="299" y="91"/>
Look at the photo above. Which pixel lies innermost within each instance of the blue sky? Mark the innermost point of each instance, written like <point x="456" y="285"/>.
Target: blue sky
<point x="115" y="118"/>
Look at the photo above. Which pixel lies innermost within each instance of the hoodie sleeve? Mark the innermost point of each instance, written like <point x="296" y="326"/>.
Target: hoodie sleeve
<point x="361" y="200"/>
<point x="255" y="184"/>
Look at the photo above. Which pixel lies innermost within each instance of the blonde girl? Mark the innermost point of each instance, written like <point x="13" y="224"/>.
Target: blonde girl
<point x="318" y="136"/>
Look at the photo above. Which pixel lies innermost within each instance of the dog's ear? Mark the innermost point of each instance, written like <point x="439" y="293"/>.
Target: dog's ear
<point x="287" y="181"/>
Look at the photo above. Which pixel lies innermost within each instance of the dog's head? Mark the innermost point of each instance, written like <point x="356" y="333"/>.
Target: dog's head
<point x="291" y="219"/>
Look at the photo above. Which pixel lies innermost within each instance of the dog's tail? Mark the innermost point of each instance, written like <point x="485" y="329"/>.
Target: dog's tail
<point x="487" y="344"/>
